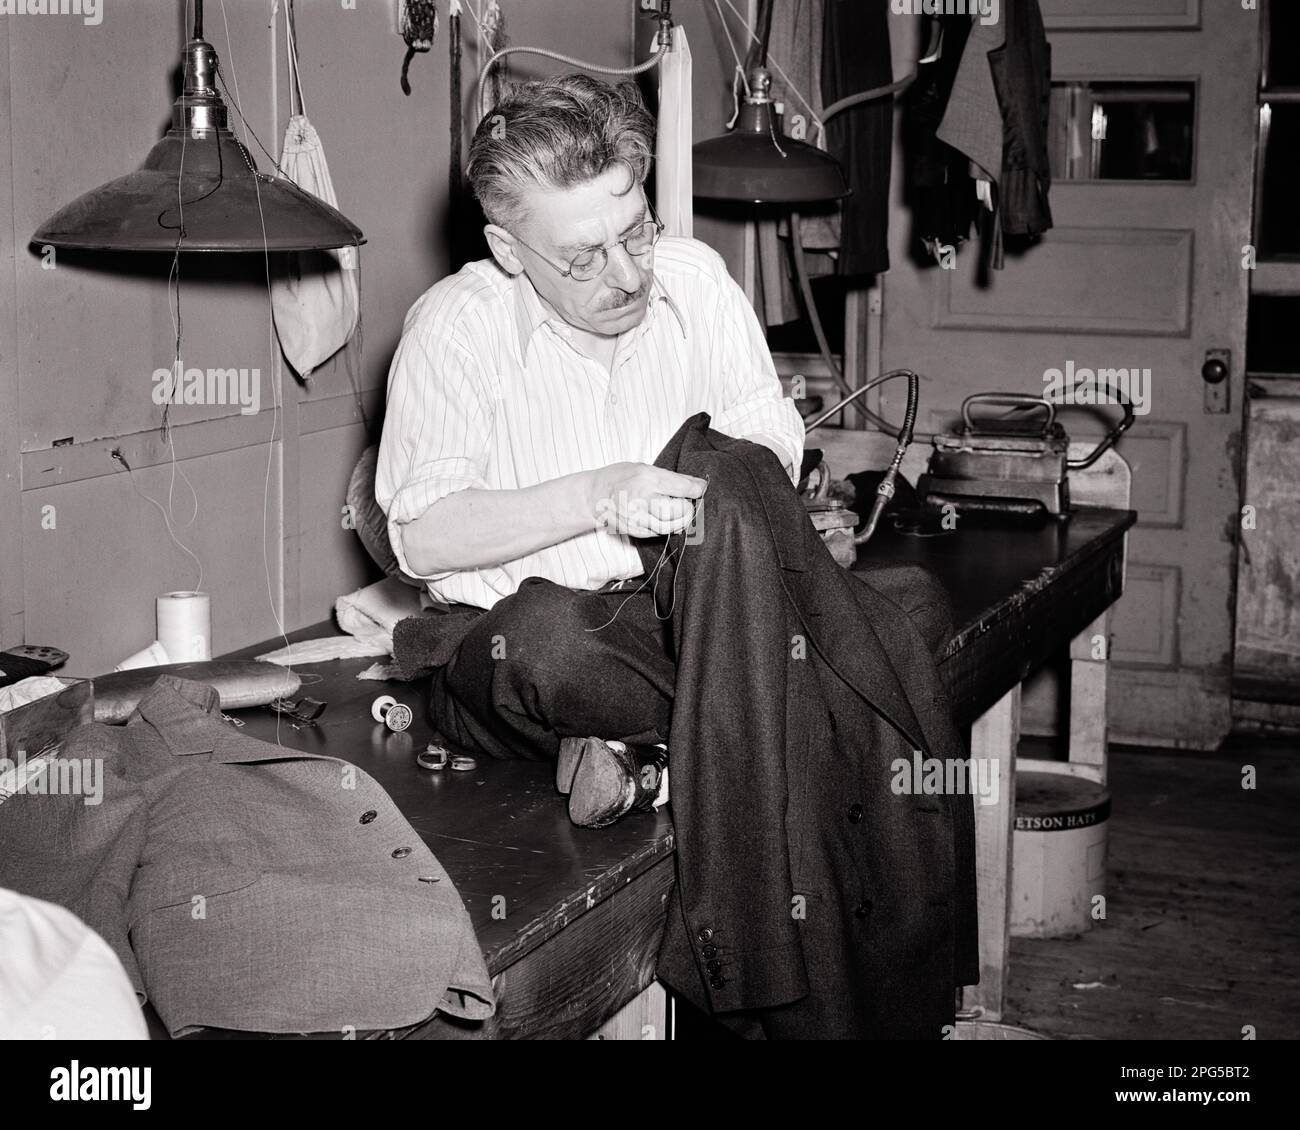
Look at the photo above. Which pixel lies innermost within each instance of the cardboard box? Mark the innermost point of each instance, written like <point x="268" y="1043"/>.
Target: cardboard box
<point x="48" y="720"/>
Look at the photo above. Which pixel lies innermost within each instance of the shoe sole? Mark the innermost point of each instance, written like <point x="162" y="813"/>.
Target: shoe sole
<point x="602" y="788"/>
<point x="567" y="765"/>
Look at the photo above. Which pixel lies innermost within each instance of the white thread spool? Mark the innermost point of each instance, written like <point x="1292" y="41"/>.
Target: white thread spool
<point x="185" y="626"/>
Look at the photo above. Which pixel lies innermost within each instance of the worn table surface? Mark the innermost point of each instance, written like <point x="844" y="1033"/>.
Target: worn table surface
<point x="566" y="931"/>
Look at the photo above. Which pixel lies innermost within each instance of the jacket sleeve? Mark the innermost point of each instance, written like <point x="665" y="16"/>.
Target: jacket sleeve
<point x="754" y="405"/>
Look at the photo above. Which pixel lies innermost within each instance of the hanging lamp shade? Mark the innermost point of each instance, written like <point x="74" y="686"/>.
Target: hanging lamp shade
<point x="755" y="164"/>
<point x="198" y="189"/>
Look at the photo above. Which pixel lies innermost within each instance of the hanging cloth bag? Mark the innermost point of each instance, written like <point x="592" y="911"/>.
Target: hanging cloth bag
<point x="315" y="298"/>
<point x="673" y="192"/>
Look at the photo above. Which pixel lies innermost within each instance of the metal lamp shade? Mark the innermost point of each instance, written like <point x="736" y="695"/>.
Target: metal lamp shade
<point x="756" y="165"/>
<point x="749" y="167"/>
<point x="207" y="183"/>
<point x="198" y="189"/>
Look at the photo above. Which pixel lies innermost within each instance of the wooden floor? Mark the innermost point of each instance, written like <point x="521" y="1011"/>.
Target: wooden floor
<point x="1202" y="936"/>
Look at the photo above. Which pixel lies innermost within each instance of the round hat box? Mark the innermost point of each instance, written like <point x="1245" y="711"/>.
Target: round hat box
<point x="1059" y="865"/>
<point x="988" y="1030"/>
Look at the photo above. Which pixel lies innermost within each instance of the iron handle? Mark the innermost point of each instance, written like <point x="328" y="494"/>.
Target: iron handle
<point x="1013" y="399"/>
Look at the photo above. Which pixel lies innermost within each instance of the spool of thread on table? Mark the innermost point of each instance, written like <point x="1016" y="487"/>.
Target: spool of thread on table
<point x="185" y="626"/>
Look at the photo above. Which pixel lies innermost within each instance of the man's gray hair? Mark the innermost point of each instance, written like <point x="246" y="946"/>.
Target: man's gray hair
<point x="556" y="133"/>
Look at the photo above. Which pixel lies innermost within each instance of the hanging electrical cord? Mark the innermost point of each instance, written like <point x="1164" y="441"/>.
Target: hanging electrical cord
<point x="663" y="42"/>
<point x="885" y="491"/>
<point x="819" y="332"/>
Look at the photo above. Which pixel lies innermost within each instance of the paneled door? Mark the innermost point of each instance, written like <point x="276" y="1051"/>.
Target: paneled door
<point x="1146" y="270"/>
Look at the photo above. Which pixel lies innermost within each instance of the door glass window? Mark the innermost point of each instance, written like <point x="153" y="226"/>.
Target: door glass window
<point x="1122" y="130"/>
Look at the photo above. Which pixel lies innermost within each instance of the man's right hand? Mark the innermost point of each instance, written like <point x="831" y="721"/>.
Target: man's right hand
<point x="641" y="500"/>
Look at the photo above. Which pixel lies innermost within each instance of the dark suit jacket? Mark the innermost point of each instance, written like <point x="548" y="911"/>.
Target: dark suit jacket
<point x="812" y="898"/>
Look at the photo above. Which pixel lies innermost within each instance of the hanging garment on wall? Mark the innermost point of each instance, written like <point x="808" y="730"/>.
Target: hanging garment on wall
<point x="315" y="296"/>
<point x="972" y="125"/>
<point x="978" y="132"/>
<point x="795" y="47"/>
<point x="1022" y="74"/>
<point x="855" y="57"/>
<point x="673" y="181"/>
<point x="941" y="188"/>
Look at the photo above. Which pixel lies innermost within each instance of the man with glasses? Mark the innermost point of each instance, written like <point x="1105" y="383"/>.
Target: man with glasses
<point x="527" y="401"/>
<point x="542" y="407"/>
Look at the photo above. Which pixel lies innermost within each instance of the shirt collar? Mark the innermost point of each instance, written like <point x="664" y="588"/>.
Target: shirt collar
<point x="530" y="313"/>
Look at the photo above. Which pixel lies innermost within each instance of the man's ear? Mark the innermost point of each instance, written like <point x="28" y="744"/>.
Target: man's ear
<point x="502" y="245"/>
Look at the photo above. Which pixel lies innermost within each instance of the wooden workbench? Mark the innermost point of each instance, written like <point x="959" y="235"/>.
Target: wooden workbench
<point x="570" y="918"/>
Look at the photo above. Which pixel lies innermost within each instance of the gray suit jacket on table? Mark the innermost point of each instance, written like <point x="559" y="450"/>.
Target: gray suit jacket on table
<point x="245" y="885"/>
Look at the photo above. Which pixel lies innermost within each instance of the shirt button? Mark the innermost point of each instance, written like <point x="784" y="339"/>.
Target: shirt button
<point x="717" y="982"/>
<point x="855" y="813"/>
<point x="862" y="909"/>
<point x="705" y="935"/>
<point x="368" y="816"/>
<point x="401" y="852"/>
<point x="613" y="399"/>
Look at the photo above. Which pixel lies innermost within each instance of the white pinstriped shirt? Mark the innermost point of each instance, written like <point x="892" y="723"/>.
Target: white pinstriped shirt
<point x="488" y="390"/>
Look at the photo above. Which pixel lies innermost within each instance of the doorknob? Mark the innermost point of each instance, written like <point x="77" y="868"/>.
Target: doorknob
<point x="1215" y="372"/>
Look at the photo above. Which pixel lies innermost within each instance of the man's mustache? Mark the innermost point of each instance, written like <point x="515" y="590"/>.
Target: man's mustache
<point x="621" y="298"/>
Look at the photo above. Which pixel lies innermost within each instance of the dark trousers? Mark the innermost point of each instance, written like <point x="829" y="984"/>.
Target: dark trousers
<point x="549" y="662"/>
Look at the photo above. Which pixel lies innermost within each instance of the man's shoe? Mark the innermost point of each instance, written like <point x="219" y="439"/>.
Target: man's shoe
<point x="567" y="765"/>
<point x="611" y="779"/>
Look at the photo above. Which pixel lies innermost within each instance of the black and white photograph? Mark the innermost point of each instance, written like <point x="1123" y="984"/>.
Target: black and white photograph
<point x="686" y="521"/>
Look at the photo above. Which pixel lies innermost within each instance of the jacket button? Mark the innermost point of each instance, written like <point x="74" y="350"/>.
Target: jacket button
<point x="855" y="813"/>
<point x="710" y="951"/>
<point x="713" y="968"/>
<point x="716" y="982"/>
<point x="705" y="935"/>
<point x="368" y="816"/>
<point x="862" y="909"/>
<point x="401" y="852"/>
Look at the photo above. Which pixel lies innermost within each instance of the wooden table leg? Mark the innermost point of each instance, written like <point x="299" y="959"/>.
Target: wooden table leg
<point x="1089" y="652"/>
<point x="1089" y="655"/>
<point x="993" y="738"/>
<point x="644" y="1017"/>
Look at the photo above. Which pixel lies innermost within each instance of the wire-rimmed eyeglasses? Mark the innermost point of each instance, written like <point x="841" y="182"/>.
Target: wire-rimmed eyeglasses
<point x="591" y="263"/>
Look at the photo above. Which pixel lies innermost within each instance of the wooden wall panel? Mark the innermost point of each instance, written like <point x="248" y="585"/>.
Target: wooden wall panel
<point x="11" y="551"/>
<point x="1083" y="280"/>
<point x="1145" y="621"/>
<point x="91" y="580"/>
<point x="332" y="560"/>
<point x="1103" y="15"/>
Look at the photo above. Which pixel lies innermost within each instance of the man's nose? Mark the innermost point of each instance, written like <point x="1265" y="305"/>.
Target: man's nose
<point x="621" y="270"/>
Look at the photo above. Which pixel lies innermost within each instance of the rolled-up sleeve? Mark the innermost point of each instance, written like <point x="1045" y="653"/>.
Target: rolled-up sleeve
<point x="437" y="428"/>
<point x="753" y="402"/>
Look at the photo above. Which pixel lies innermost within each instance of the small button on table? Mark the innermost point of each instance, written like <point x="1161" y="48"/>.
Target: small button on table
<point x="401" y="852"/>
<point x="855" y="813"/>
<point x="368" y="816"/>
